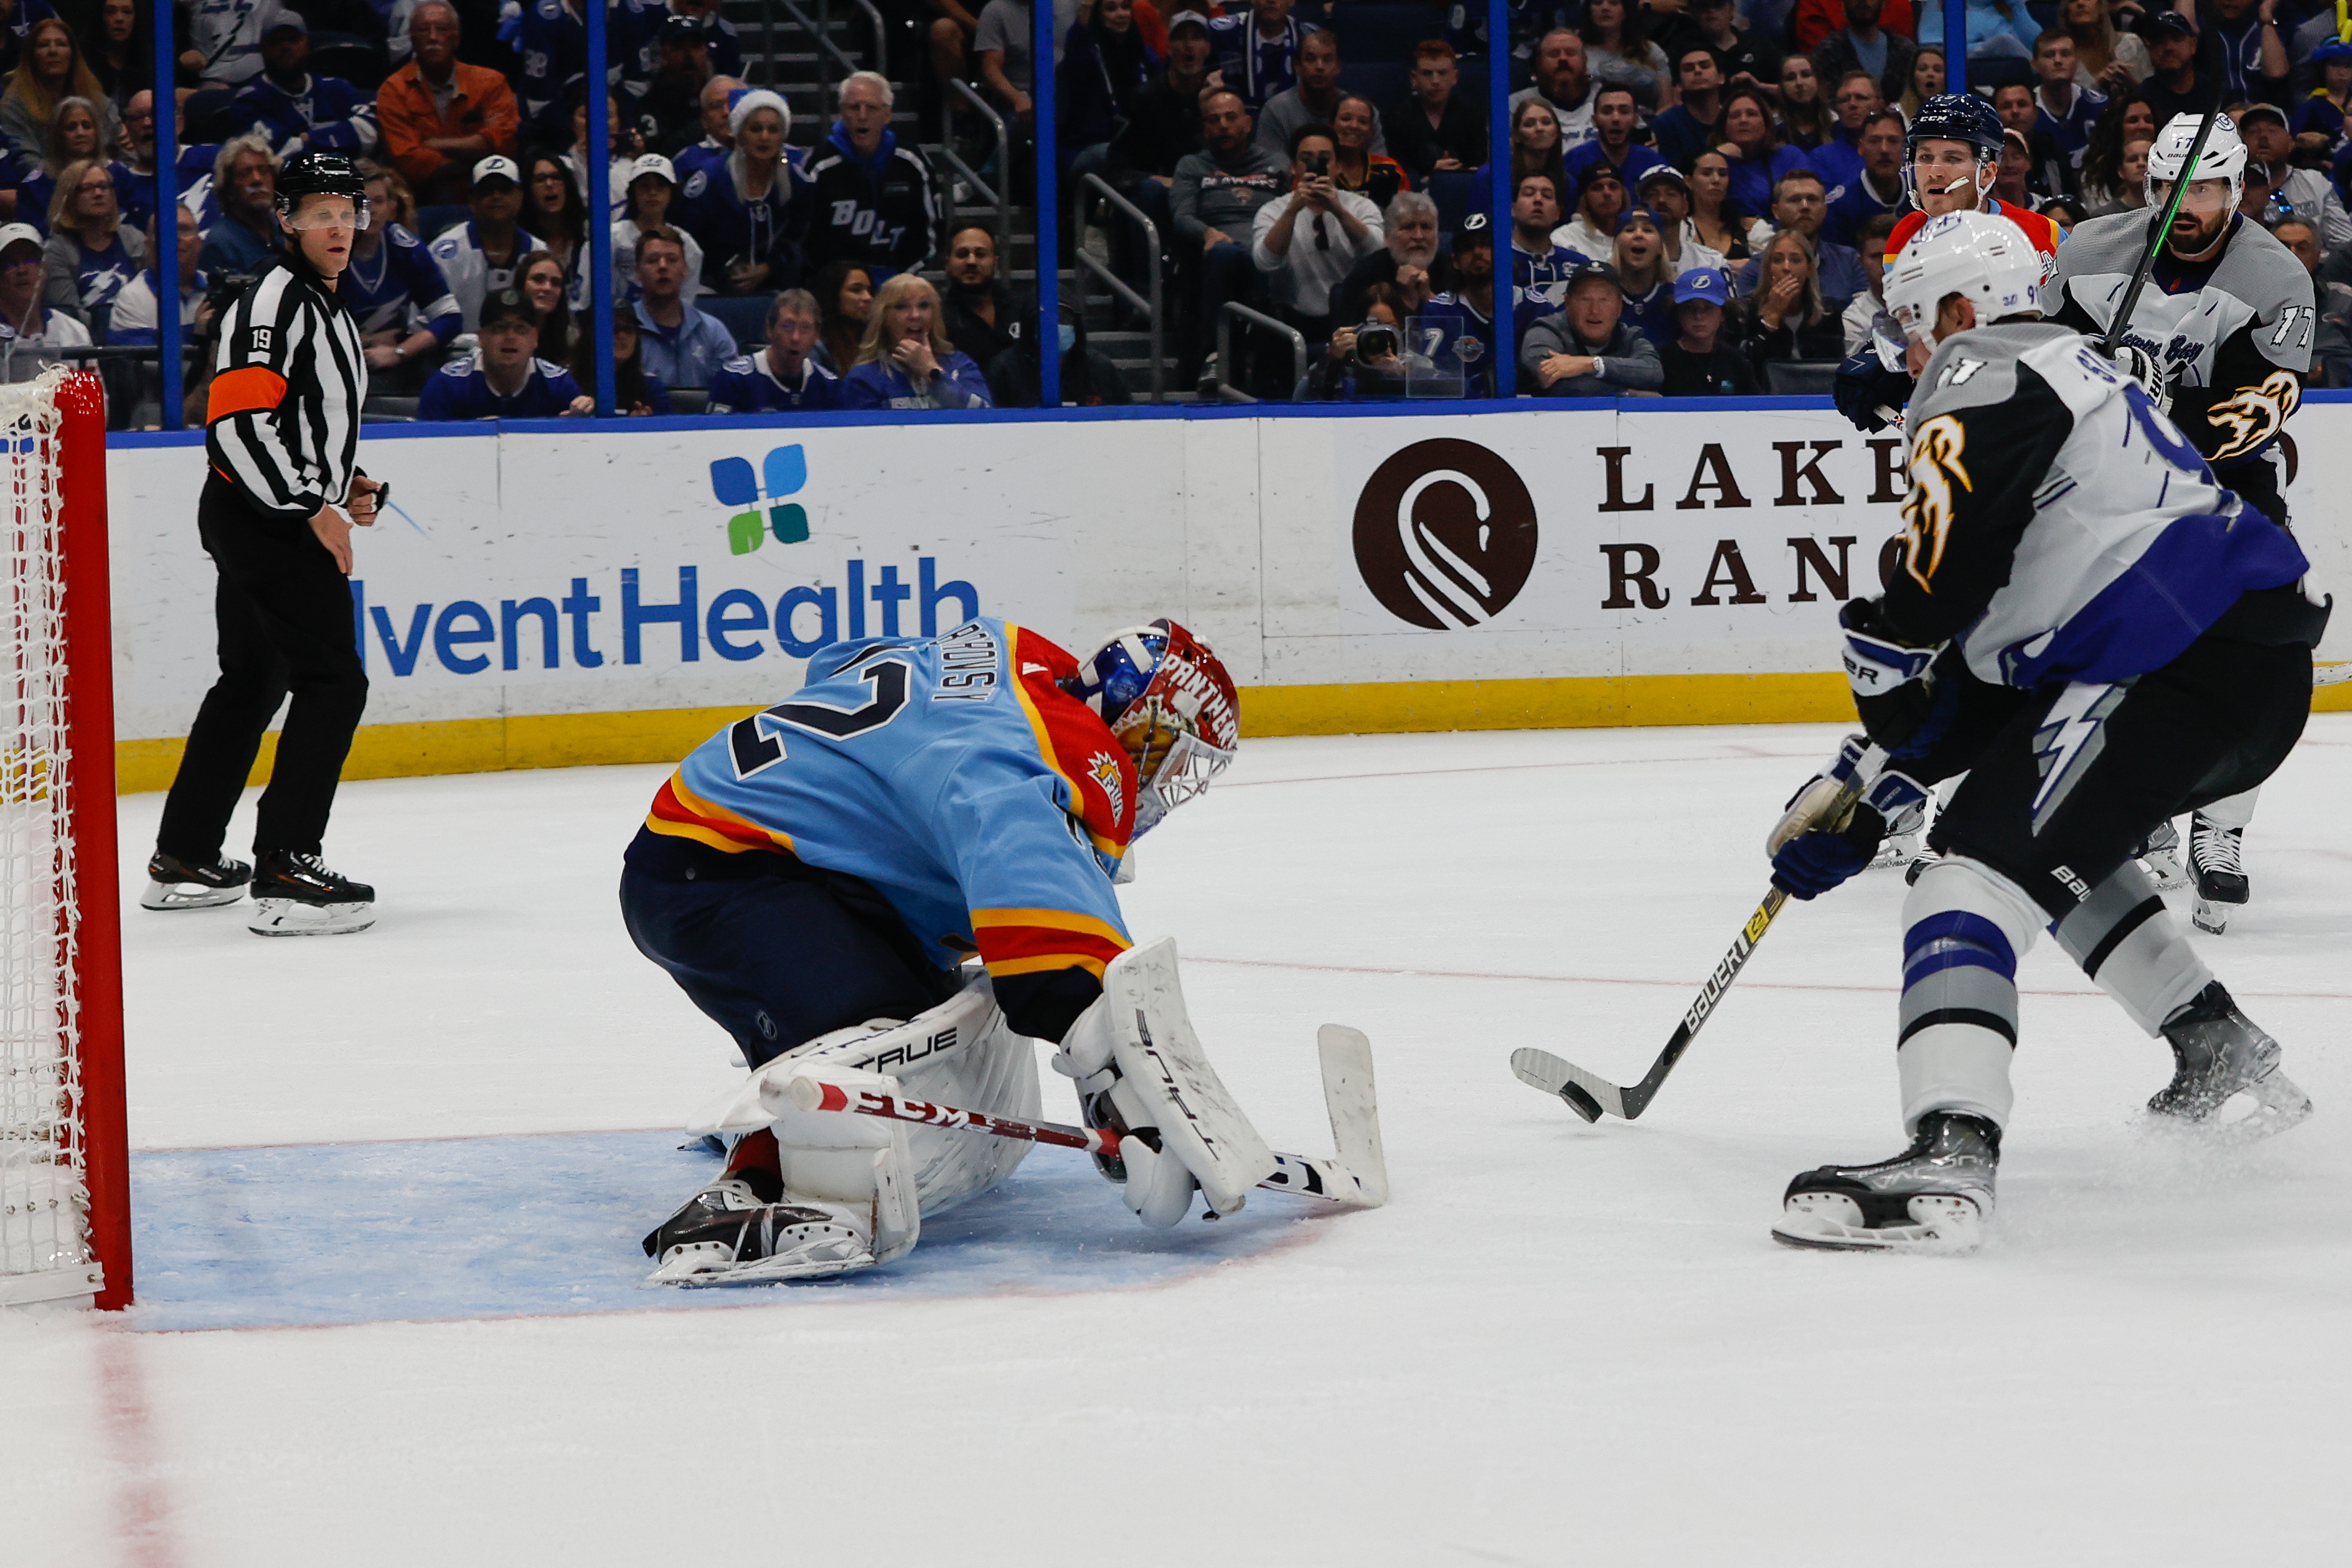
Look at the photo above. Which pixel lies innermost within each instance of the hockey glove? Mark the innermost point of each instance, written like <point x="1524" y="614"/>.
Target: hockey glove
<point x="2149" y="370"/>
<point x="1866" y="388"/>
<point x="1894" y="684"/>
<point x="1819" y="859"/>
<point x="1155" y="1185"/>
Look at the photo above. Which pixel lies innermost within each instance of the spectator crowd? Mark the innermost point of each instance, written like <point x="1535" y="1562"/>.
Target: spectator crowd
<point x="1700" y="191"/>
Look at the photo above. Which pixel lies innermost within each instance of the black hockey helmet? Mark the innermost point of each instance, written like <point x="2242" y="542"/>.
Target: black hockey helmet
<point x="1956" y="117"/>
<point x="320" y="174"/>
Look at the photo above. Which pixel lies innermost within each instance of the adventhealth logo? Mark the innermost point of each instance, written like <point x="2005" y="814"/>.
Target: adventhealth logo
<point x="783" y="472"/>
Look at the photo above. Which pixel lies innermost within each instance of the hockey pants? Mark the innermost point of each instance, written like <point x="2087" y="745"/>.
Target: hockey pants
<point x="775" y="951"/>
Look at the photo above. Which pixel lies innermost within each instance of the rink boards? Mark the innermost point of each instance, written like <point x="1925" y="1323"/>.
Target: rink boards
<point x="547" y="593"/>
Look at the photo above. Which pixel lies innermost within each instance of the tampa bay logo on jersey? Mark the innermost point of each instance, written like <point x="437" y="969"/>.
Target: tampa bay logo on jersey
<point x="1445" y="534"/>
<point x="784" y="472"/>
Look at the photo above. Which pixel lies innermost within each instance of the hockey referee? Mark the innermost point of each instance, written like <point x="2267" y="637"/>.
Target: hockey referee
<point x="282" y="437"/>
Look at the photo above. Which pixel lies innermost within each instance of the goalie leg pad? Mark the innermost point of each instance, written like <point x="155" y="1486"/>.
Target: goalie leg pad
<point x="1965" y="928"/>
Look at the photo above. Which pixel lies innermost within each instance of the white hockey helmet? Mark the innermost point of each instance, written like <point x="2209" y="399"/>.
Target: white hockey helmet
<point x="1985" y="259"/>
<point x="2224" y="157"/>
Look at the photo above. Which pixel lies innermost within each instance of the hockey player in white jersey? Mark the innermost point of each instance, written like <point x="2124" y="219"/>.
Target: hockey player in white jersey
<point x="2101" y="636"/>
<point x="2222" y="338"/>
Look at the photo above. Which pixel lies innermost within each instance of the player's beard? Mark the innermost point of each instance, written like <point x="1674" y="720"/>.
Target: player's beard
<point x="2193" y="234"/>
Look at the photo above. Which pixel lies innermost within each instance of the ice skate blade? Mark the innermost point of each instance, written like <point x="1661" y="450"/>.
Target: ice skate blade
<point x="704" y="1265"/>
<point x="1942" y="1223"/>
<point x="169" y="895"/>
<point x="289" y="917"/>
<point x="2274" y="1105"/>
<point x="2211" y="917"/>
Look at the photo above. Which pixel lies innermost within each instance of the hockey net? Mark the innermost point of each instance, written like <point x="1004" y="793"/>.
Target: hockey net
<point x="64" y="1177"/>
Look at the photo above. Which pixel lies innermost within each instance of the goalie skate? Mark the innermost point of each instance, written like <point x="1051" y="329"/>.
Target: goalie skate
<point x="1933" y="1197"/>
<point x="725" y="1235"/>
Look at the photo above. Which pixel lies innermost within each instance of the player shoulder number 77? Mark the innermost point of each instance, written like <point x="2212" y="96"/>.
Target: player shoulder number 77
<point x="1588" y="1093"/>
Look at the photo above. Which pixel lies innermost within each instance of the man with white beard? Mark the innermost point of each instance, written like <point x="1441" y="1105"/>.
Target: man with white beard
<point x="1409" y="260"/>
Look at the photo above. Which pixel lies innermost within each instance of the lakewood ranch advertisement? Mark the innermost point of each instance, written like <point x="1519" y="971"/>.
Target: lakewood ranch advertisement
<point x="616" y="569"/>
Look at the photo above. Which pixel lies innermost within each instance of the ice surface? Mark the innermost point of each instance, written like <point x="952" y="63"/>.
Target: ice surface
<point x="1559" y="1343"/>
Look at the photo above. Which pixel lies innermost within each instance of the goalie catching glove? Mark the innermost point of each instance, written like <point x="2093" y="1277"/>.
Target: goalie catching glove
<point x="1816" y="846"/>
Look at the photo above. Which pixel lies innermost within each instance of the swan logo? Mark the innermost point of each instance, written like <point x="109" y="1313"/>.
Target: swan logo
<point x="1445" y="535"/>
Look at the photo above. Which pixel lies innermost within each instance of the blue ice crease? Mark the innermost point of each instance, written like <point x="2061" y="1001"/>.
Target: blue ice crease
<point x="514" y="1227"/>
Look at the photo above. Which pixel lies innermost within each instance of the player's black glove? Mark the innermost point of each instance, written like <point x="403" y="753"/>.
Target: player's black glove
<point x="1894" y="684"/>
<point x="1864" y="385"/>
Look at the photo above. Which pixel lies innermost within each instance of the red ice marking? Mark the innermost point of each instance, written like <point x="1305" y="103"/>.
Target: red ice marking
<point x="141" y="1510"/>
<point x="1681" y="984"/>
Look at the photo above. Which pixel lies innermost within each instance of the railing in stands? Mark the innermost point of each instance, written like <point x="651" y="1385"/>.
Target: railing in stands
<point x="1119" y="287"/>
<point x="1000" y="195"/>
<point x="1235" y="310"/>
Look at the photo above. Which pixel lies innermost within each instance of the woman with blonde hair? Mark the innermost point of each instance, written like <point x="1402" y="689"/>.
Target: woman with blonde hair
<point x="1786" y="317"/>
<point x="2105" y="60"/>
<point x="74" y="135"/>
<point x="91" y="253"/>
<point x="906" y="361"/>
<point x="50" y="71"/>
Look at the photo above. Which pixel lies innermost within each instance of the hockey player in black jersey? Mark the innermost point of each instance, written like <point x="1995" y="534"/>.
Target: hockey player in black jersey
<point x="2221" y="338"/>
<point x="2100" y="635"/>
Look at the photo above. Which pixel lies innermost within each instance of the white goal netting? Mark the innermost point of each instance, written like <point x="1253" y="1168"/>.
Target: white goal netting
<point x="44" y="1245"/>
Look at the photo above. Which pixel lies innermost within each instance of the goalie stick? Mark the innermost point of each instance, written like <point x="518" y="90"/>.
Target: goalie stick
<point x="1588" y="1095"/>
<point x="1355" y="1177"/>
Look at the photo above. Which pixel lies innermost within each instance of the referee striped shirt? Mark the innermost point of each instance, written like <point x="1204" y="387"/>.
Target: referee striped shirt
<point x="283" y="422"/>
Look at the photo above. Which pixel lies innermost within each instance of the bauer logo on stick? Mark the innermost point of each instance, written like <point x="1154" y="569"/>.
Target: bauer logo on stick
<point x="1445" y="534"/>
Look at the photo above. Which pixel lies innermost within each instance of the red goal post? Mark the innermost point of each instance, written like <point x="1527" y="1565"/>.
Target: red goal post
<point x="65" y="1171"/>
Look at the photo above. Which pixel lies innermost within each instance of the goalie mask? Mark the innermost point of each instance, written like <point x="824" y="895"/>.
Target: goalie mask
<point x="1170" y="703"/>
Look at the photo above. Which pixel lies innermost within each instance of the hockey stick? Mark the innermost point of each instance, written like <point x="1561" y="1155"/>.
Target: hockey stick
<point x="2148" y="263"/>
<point x="1588" y="1095"/>
<point x="1355" y="1177"/>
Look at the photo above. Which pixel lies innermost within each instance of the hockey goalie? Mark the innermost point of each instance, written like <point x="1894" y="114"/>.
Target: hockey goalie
<point x="815" y="876"/>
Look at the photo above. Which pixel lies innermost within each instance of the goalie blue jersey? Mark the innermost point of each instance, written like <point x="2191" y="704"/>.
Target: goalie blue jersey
<point x="951" y="773"/>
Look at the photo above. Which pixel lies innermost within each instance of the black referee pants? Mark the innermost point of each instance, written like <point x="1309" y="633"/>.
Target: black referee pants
<point x="284" y="612"/>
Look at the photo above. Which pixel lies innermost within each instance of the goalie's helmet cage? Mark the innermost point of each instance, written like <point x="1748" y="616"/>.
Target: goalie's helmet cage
<point x="1170" y="705"/>
<point x="65" y="1215"/>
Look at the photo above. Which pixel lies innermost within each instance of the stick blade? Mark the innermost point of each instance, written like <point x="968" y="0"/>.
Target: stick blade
<point x="1582" y="1092"/>
<point x="1348" y="1094"/>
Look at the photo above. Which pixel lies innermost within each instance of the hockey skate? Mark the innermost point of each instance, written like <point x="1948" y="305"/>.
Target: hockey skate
<point x="728" y="1234"/>
<point x="2222" y="885"/>
<point x="2219" y="1053"/>
<point x="1932" y="1197"/>
<point x="297" y="896"/>
<point x="2159" y="855"/>
<point x="175" y="883"/>
<point x="1905" y="836"/>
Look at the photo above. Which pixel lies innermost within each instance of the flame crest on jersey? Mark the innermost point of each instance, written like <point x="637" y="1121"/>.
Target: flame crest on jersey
<point x="2255" y="414"/>
<point x="1935" y="467"/>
